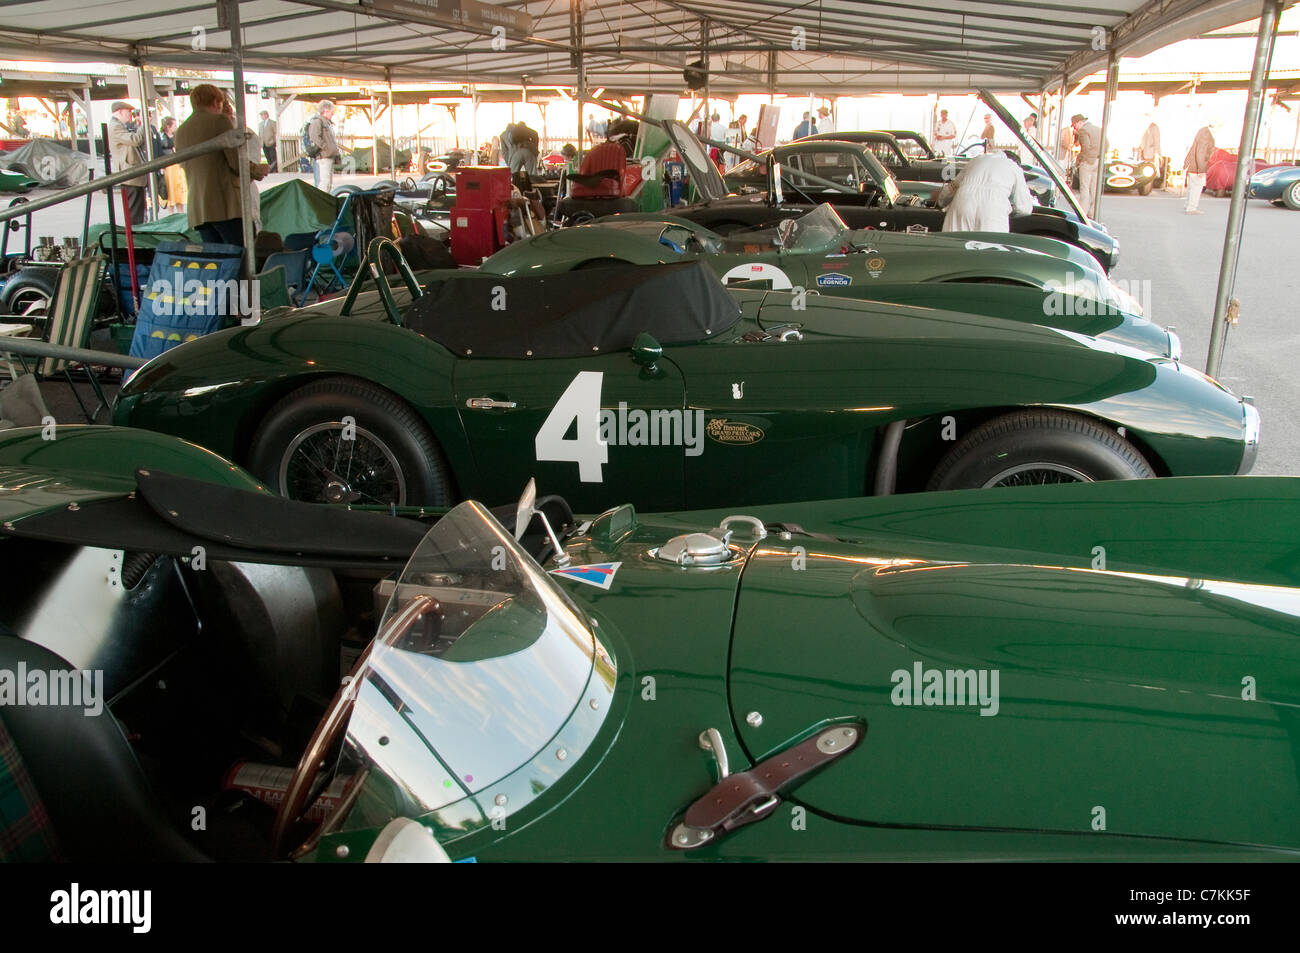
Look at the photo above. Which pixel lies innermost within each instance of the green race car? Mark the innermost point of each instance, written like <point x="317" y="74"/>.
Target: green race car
<point x="1085" y="672"/>
<point x="1021" y="278"/>
<point x="659" y="385"/>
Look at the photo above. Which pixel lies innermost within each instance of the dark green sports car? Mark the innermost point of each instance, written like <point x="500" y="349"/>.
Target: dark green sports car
<point x="1021" y="278"/>
<point x="658" y="384"/>
<point x="1086" y="672"/>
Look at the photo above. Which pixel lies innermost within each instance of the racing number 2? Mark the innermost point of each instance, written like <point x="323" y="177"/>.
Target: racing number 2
<point x="580" y="402"/>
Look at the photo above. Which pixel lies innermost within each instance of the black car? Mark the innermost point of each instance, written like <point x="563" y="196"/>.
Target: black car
<point x="909" y="157"/>
<point x="851" y="178"/>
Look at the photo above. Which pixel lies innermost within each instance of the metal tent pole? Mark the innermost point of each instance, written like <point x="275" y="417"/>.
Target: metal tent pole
<point x="90" y="123"/>
<point x="1112" y="88"/>
<point x="1060" y="120"/>
<point x="392" y="128"/>
<point x="582" y="79"/>
<point x="148" y="141"/>
<point x="1237" y="209"/>
<point x="231" y="9"/>
<point x="374" y="140"/>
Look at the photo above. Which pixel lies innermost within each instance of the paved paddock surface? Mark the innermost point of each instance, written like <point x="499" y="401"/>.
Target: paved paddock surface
<point x="1178" y="254"/>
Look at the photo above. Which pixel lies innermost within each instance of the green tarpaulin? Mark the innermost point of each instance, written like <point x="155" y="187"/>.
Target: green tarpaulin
<point x="289" y="208"/>
<point x="297" y="206"/>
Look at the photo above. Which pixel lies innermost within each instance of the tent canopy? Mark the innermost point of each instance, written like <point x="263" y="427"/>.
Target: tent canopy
<point x="782" y="46"/>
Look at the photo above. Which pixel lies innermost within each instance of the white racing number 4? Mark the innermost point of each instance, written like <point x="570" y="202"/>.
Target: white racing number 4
<point x="581" y="402"/>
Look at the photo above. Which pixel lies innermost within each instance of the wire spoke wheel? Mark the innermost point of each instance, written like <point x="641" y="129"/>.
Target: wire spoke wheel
<point x="331" y="462"/>
<point x="1038" y="474"/>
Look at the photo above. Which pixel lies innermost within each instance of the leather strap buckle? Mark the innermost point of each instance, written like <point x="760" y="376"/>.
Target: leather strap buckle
<point x="740" y="799"/>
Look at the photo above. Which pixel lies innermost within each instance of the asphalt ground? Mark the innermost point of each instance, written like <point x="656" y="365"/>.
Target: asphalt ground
<point x="1179" y="255"/>
<point x="1170" y="260"/>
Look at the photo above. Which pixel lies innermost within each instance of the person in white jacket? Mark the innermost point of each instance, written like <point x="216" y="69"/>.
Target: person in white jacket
<point x="984" y="194"/>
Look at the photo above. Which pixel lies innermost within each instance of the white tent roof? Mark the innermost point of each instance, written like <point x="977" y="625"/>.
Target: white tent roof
<point x="784" y="46"/>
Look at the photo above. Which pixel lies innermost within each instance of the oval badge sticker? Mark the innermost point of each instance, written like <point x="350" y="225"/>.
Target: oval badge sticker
<point x="733" y="431"/>
<point x="834" y="279"/>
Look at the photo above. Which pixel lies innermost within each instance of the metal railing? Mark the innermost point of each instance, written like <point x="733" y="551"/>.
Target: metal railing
<point x="231" y="139"/>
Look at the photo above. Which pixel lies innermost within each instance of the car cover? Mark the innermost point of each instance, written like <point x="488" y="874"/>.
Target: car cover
<point x="575" y="314"/>
<point x="48" y="163"/>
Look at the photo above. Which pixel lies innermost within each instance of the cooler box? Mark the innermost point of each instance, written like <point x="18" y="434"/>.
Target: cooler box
<point x="476" y="233"/>
<point x="482" y="186"/>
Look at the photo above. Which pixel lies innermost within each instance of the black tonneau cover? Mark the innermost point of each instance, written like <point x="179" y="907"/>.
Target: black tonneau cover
<point x="576" y="314"/>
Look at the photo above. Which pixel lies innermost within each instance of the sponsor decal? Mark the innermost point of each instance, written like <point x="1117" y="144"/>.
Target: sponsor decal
<point x="733" y="431"/>
<point x="600" y="575"/>
<point x="759" y="270"/>
<point x="917" y="228"/>
<point x="834" y="280"/>
<point x="875" y="266"/>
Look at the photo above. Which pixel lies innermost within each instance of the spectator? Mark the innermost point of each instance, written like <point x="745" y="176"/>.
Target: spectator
<point x="174" y="192"/>
<point x="988" y="133"/>
<point x="213" y="178"/>
<point x="983" y="195"/>
<point x="824" y="121"/>
<point x="1150" y="146"/>
<point x="124" y="144"/>
<point x="1088" y="138"/>
<point x="268" y="133"/>
<point x="320" y="133"/>
<point x="945" y="135"/>
<point x="1196" y="165"/>
<point x="805" y="128"/>
<point x="520" y="147"/>
<point x="1030" y="125"/>
<point x="18" y="126"/>
<point x="165" y="144"/>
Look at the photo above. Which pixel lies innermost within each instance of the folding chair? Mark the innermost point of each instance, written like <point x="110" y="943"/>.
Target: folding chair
<point x="72" y="314"/>
<point x="273" y="289"/>
<point x="294" y="263"/>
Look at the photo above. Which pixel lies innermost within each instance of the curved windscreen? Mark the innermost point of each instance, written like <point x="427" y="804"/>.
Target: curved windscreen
<point x="484" y="685"/>
<point x="820" y="230"/>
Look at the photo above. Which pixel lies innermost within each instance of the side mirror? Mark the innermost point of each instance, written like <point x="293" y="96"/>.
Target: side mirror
<point x="524" y="514"/>
<point x="646" y="351"/>
<point x="524" y="511"/>
<point x="775" y="195"/>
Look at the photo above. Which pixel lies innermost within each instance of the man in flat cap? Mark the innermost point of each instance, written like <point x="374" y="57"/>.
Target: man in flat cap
<point x="1088" y="138"/>
<point x="124" y="145"/>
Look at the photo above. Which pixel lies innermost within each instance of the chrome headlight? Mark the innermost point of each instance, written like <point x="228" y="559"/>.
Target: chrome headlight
<point x="1148" y="170"/>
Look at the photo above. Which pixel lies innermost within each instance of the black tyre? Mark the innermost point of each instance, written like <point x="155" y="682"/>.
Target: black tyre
<point x="341" y="190"/>
<point x="1291" y="197"/>
<point x="29" y="292"/>
<point x="385" y="184"/>
<point x="305" y="449"/>
<point x="1031" y="447"/>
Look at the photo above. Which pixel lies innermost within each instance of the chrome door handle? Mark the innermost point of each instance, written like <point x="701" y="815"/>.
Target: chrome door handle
<point x="487" y="403"/>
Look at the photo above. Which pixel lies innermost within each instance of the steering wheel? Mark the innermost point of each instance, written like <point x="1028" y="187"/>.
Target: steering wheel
<point x="408" y="184"/>
<point x="440" y="185"/>
<point x="307" y="781"/>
